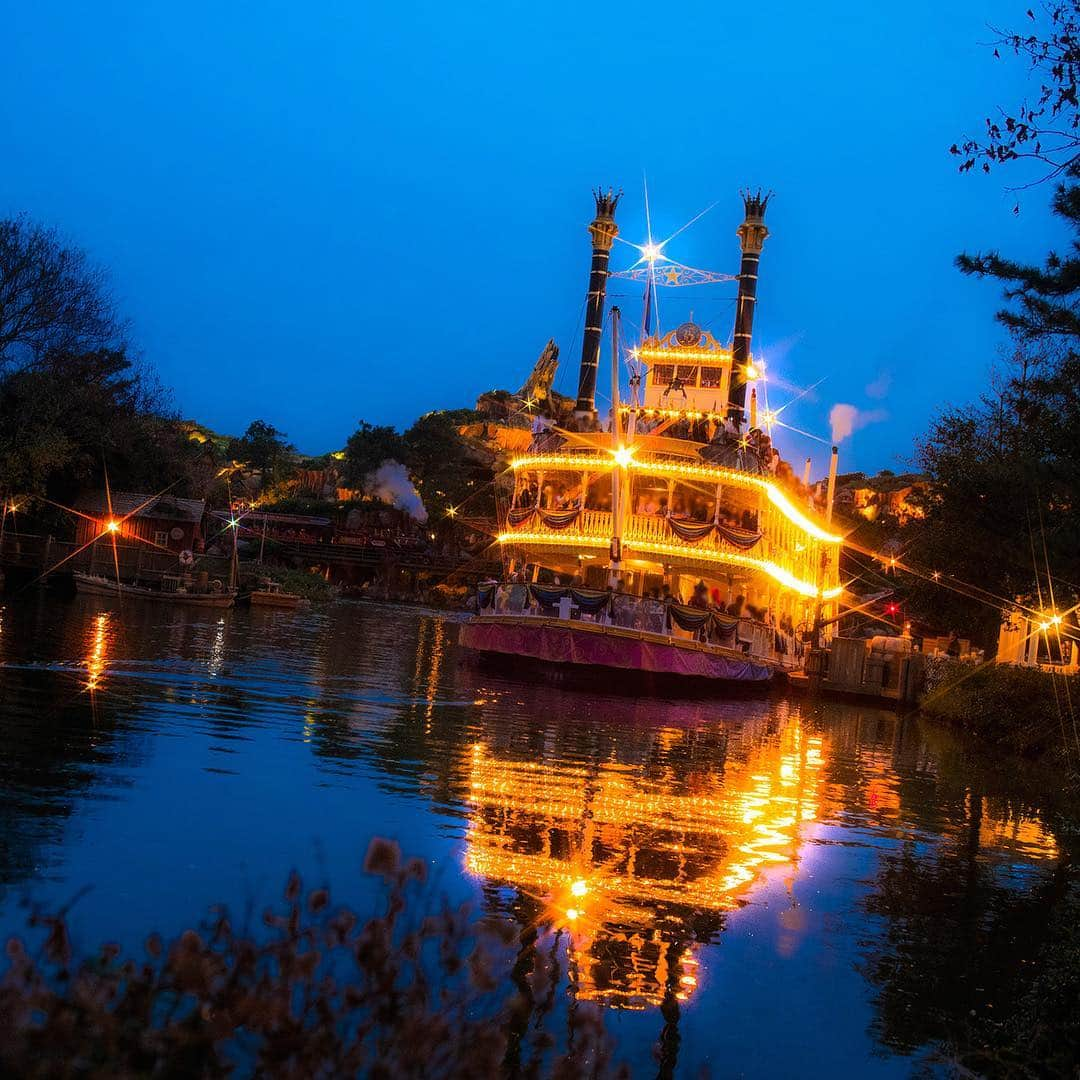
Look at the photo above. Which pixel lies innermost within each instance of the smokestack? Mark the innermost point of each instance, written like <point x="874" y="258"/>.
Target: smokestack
<point x="752" y="233"/>
<point x="603" y="231"/>
<point x="806" y="473"/>
<point x="832" y="483"/>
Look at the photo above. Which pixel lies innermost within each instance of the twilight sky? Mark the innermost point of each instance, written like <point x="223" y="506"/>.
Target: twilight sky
<point x="316" y="213"/>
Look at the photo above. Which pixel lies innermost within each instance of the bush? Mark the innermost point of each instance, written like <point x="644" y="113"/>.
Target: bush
<point x="1027" y="710"/>
<point x="303" y="583"/>
<point x="323" y="994"/>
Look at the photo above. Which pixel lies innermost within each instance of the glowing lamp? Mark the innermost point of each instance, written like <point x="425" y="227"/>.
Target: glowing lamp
<point x="579" y="888"/>
<point x="623" y="456"/>
<point x="650" y="252"/>
<point x="112" y="526"/>
<point x="751" y="371"/>
<point x="572" y="913"/>
<point x="451" y="511"/>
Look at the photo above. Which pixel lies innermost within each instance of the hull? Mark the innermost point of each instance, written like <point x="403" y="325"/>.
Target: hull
<point x="92" y="585"/>
<point x="275" y="600"/>
<point x="584" y="646"/>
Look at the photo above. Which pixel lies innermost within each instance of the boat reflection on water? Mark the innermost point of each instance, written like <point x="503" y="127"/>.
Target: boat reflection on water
<point x="99" y="636"/>
<point x="639" y="864"/>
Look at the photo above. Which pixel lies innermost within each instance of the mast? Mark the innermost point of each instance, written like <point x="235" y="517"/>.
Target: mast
<point x="619" y="453"/>
<point x="603" y="231"/>
<point x="752" y="234"/>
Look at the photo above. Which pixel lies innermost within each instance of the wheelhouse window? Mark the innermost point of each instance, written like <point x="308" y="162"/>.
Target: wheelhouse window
<point x="662" y="374"/>
<point x="712" y="377"/>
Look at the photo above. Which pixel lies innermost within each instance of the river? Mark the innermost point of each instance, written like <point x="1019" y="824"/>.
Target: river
<point x="827" y="889"/>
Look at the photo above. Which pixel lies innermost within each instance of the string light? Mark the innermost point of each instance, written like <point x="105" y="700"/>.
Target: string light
<point x="774" y="570"/>
<point x="579" y="462"/>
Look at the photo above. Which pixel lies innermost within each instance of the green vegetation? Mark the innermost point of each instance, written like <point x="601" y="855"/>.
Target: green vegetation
<point x="299" y="582"/>
<point x="1025" y="710"/>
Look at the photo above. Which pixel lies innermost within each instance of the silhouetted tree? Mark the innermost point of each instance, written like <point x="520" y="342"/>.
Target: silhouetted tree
<point x="53" y="301"/>
<point x="1047" y="129"/>
<point x="368" y="447"/>
<point x="262" y="447"/>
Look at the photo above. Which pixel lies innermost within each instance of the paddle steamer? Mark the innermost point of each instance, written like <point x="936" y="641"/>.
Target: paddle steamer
<point x="668" y="538"/>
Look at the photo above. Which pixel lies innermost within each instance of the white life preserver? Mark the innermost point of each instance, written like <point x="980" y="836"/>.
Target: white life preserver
<point x="187" y="558"/>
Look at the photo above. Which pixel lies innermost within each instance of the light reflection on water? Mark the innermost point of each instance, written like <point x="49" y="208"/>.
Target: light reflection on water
<point x="730" y="854"/>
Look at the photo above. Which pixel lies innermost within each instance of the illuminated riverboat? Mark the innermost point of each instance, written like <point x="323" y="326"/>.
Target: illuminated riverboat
<point x="672" y="540"/>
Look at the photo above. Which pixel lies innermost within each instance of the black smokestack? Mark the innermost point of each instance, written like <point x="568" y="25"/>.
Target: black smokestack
<point x="603" y="231"/>
<point x="752" y="233"/>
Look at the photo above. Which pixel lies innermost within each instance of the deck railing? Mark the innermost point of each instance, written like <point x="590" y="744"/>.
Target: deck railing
<point x="748" y="637"/>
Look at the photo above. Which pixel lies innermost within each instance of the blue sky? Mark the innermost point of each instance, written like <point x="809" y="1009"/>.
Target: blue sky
<point x="325" y="212"/>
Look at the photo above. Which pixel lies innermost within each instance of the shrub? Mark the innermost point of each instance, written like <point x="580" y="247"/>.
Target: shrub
<point x="1025" y="709"/>
<point x="320" y="993"/>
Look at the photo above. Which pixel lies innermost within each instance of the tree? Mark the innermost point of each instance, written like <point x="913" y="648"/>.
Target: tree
<point x="262" y="447"/>
<point x="67" y="417"/>
<point x="52" y="300"/>
<point x="1003" y="511"/>
<point x="449" y="472"/>
<point x="368" y="447"/>
<point x="1046" y="130"/>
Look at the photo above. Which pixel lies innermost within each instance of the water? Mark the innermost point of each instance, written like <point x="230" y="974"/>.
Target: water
<point x="828" y="889"/>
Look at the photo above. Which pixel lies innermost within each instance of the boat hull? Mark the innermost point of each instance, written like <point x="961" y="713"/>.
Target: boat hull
<point x="275" y="600"/>
<point x="92" y="585"/>
<point x="589" y="646"/>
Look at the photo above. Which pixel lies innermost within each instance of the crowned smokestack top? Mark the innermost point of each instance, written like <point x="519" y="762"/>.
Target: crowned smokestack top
<point x="603" y="231"/>
<point x="752" y="233"/>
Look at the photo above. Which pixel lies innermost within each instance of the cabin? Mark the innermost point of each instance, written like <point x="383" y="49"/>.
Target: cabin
<point x="163" y="521"/>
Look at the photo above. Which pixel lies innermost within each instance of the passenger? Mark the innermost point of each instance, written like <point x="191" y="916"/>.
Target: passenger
<point x="700" y="599"/>
<point x="736" y="606"/>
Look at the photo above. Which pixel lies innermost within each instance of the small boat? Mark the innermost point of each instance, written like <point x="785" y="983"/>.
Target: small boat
<point x="271" y="595"/>
<point x="96" y="585"/>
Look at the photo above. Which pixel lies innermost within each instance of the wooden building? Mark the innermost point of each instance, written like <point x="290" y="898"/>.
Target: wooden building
<point x="164" y="521"/>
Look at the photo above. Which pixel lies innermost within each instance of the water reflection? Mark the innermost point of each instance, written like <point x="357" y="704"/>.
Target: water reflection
<point x="639" y="862"/>
<point x="638" y="827"/>
<point x="97" y="656"/>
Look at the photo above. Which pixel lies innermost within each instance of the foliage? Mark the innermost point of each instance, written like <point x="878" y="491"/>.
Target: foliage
<point x="53" y="302"/>
<point x="1005" y="472"/>
<point x="1024" y="709"/>
<point x="1046" y="130"/>
<point x="447" y="470"/>
<point x="64" y="417"/>
<point x="311" y="586"/>
<point x="326" y="994"/>
<point x="262" y="447"/>
<point x="368" y="447"/>
<point x="1041" y="1036"/>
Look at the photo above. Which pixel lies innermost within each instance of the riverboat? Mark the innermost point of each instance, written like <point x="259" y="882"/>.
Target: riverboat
<point x="672" y="540"/>
<point x="179" y="593"/>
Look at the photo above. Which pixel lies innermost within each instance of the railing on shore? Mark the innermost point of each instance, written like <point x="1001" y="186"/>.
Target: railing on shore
<point x="706" y="627"/>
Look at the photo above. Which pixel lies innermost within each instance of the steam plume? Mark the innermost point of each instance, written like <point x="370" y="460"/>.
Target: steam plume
<point x="390" y="482"/>
<point x="846" y="419"/>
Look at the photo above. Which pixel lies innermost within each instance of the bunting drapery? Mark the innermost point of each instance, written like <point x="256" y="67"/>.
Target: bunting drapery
<point x="546" y="595"/>
<point x="591" y="601"/>
<point x="740" y="538"/>
<point x="688" y="618"/>
<point x="519" y="515"/>
<point x="691" y="531"/>
<point x="558" y="519"/>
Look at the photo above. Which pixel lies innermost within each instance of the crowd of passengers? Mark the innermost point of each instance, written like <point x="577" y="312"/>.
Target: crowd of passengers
<point x="757" y="443"/>
<point x="690" y="506"/>
<point x="649" y="612"/>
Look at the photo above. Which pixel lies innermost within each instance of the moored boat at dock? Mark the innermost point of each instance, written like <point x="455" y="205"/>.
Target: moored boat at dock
<point x="674" y="540"/>
<point x="212" y="597"/>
